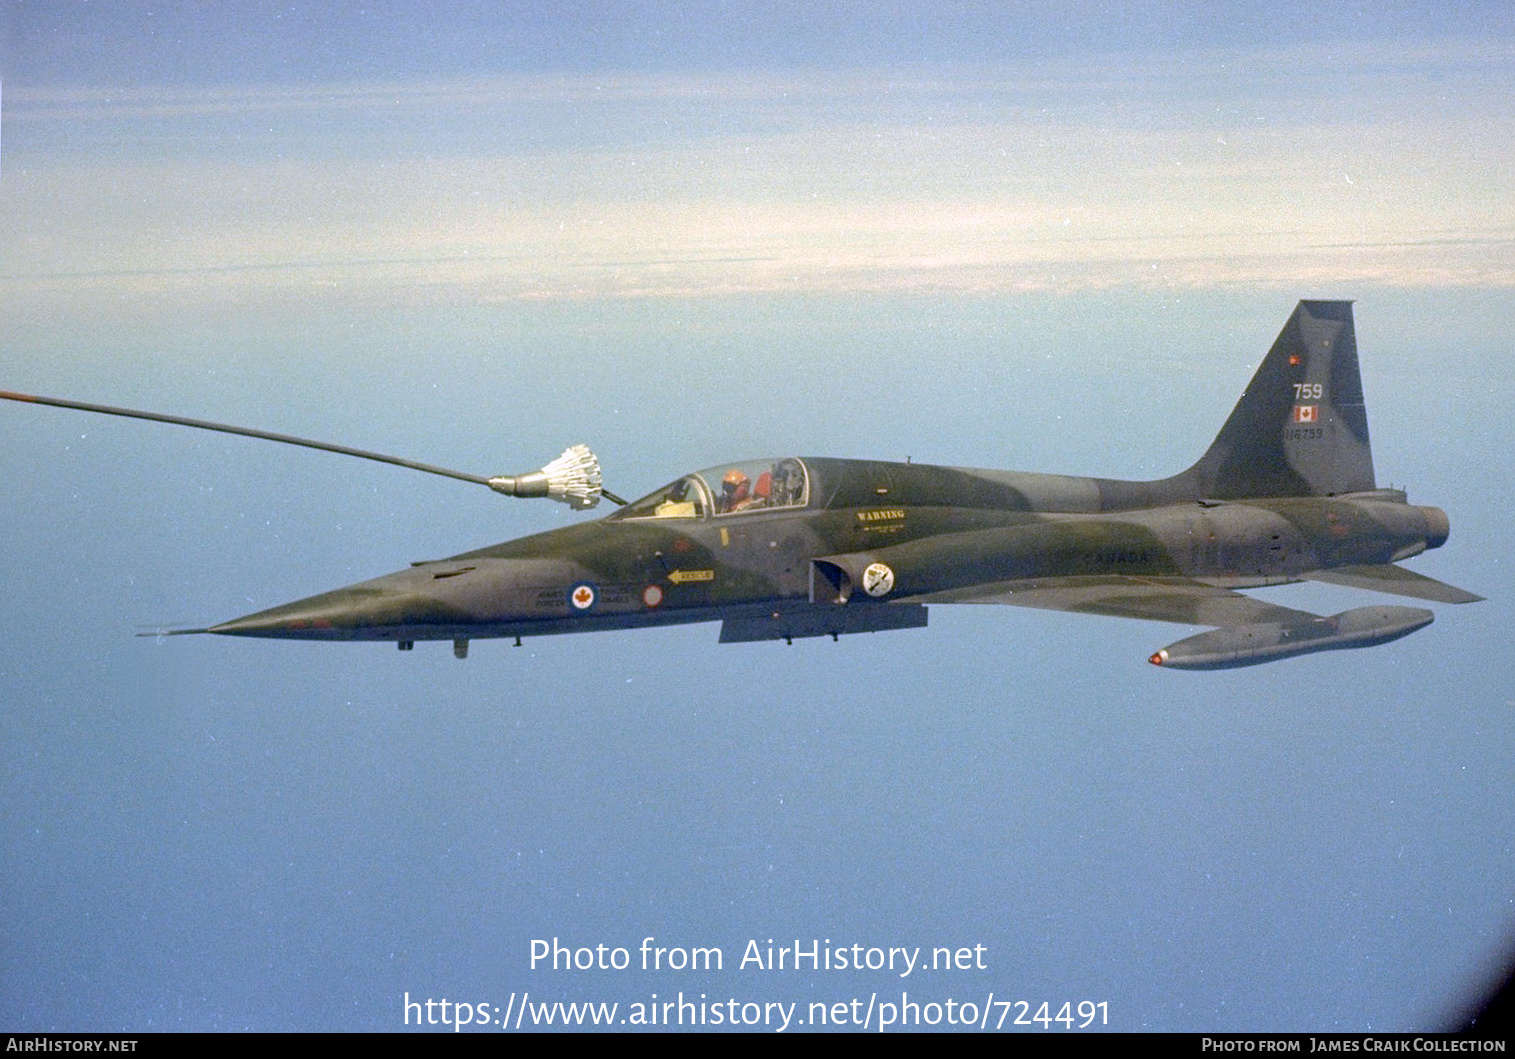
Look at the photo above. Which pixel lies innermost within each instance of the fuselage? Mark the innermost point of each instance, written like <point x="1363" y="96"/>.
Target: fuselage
<point x="688" y="553"/>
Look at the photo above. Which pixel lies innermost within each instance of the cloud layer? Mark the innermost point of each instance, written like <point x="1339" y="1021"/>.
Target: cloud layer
<point x="1205" y="170"/>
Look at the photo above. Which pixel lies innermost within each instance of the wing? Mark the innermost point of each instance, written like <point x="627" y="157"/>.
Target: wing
<point x="1175" y="599"/>
<point x="1246" y="631"/>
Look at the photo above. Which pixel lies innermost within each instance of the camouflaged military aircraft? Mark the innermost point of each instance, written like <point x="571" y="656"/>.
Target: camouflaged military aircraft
<point x="792" y="546"/>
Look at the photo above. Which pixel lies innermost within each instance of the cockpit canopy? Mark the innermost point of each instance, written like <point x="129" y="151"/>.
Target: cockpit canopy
<point x="729" y="489"/>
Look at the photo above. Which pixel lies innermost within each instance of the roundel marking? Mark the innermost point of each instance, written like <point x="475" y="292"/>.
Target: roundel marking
<point x="581" y="596"/>
<point x="878" y="579"/>
<point x="652" y="595"/>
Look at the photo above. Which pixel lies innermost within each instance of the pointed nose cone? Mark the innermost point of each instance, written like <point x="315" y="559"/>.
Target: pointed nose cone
<point x="444" y="599"/>
<point x="356" y="613"/>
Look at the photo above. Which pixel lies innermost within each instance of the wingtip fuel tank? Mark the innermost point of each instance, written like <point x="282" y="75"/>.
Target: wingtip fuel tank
<point x="1250" y="645"/>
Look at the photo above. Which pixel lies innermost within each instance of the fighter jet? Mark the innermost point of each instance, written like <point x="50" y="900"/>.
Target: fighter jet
<point x="798" y="546"/>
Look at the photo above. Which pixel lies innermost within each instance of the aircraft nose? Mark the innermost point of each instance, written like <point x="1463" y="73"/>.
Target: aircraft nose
<point x="429" y="601"/>
<point x="356" y="613"/>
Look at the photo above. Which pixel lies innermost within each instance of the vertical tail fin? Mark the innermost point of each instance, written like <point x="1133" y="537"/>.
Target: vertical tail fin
<point x="1300" y="428"/>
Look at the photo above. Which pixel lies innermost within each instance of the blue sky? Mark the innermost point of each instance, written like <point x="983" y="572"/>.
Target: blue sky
<point x="270" y="43"/>
<point x="684" y="234"/>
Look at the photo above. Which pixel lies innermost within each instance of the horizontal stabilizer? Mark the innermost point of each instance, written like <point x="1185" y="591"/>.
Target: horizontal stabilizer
<point x="1396" y="581"/>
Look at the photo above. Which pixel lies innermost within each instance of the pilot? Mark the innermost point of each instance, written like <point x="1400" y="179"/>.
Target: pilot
<point x="736" y="492"/>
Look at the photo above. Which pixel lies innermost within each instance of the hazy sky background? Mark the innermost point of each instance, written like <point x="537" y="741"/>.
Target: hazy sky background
<point x="1028" y="236"/>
